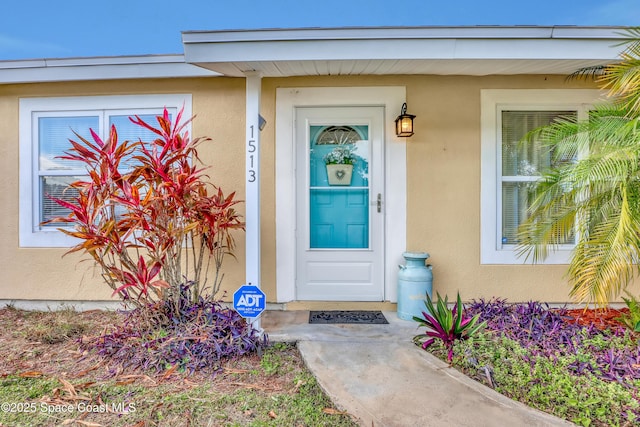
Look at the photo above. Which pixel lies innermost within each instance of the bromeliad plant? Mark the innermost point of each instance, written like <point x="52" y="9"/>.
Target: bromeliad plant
<point x="145" y="215"/>
<point x="446" y="324"/>
<point x="631" y="319"/>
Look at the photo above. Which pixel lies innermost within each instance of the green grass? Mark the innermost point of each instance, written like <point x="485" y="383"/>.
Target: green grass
<point x="43" y="371"/>
<point x="276" y="390"/>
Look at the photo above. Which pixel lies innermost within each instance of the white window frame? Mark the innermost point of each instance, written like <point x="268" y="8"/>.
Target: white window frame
<point x="31" y="234"/>
<point x="492" y="103"/>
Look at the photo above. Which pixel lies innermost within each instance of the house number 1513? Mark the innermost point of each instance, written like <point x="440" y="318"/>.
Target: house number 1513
<point x="251" y="149"/>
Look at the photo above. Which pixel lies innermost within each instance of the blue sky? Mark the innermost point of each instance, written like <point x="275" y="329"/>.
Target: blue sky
<point x="72" y="28"/>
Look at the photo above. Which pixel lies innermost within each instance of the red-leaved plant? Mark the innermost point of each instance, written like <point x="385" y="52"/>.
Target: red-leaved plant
<point x="146" y="216"/>
<point x="445" y="324"/>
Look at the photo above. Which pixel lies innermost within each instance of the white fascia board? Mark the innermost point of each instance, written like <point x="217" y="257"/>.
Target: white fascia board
<point x="614" y="33"/>
<point x="102" y="68"/>
<point x="379" y="33"/>
<point x="314" y="50"/>
<point x="308" y="50"/>
<point x="486" y="43"/>
<point x="539" y="49"/>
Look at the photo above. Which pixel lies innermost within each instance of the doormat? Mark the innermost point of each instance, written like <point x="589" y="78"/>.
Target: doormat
<point x="342" y="316"/>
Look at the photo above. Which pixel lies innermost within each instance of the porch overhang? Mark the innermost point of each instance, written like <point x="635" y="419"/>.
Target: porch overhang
<point x="407" y="50"/>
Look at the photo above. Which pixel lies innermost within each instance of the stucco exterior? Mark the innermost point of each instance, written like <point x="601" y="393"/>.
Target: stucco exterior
<point x="442" y="167"/>
<point x="43" y="273"/>
<point x="438" y="176"/>
<point x="443" y="183"/>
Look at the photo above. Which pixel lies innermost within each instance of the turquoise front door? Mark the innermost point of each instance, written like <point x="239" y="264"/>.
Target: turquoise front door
<point x="340" y="233"/>
<point x="339" y="196"/>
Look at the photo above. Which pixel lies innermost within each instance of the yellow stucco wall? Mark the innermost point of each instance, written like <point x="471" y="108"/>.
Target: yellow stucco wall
<point x="42" y="274"/>
<point x="443" y="182"/>
<point x="443" y="170"/>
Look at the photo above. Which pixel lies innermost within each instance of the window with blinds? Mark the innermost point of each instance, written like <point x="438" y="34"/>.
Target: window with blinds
<point x="54" y="131"/>
<point x="510" y="166"/>
<point x="45" y="127"/>
<point x="521" y="165"/>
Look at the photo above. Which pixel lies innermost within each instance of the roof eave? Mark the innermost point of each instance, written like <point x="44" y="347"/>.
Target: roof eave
<point x="477" y="50"/>
<point x="99" y="68"/>
<point x="287" y="52"/>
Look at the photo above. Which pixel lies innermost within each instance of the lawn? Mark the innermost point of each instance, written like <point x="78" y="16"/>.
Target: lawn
<point x="585" y="370"/>
<point x="583" y="367"/>
<point x="46" y="380"/>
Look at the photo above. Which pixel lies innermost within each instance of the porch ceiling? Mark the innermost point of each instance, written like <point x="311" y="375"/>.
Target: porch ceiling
<point x="419" y="50"/>
<point x="473" y="67"/>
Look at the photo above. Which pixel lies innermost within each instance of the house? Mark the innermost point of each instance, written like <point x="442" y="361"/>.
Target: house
<point x="456" y="188"/>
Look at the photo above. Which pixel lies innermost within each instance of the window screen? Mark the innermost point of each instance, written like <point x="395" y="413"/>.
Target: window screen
<point x="522" y="163"/>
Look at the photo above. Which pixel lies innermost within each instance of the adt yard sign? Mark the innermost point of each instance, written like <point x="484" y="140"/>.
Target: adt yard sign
<point x="249" y="301"/>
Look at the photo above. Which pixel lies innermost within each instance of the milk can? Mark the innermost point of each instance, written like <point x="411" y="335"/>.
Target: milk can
<point x="414" y="282"/>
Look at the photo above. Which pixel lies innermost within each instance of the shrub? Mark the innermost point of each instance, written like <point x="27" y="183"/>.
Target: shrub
<point x="155" y="226"/>
<point x="145" y="215"/>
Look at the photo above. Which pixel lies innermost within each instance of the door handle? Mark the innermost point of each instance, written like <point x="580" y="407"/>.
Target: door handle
<point x="379" y="203"/>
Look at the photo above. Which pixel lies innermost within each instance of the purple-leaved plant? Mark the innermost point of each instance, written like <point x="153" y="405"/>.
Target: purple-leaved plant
<point x="552" y="333"/>
<point x="611" y="355"/>
<point x="178" y="333"/>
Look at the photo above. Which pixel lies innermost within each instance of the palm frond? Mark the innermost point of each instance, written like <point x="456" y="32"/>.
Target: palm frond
<point x="587" y="73"/>
<point x="603" y="264"/>
<point x="622" y="79"/>
<point x="593" y="187"/>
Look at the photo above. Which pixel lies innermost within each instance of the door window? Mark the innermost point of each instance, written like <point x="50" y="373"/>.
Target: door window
<point x="339" y="187"/>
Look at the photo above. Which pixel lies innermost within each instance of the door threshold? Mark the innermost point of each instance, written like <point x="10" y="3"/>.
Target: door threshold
<point x="340" y="305"/>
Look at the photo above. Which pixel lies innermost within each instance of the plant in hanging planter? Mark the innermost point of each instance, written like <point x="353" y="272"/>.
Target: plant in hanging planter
<point x="340" y="163"/>
<point x="343" y="154"/>
<point x="446" y="324"/>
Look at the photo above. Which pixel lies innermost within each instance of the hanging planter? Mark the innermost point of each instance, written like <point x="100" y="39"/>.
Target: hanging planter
<point x="340" y="165"/>
<point x="339" y="174"/>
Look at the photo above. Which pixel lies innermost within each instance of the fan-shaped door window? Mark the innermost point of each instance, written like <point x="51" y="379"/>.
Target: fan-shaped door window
<point x="337" y="135"/>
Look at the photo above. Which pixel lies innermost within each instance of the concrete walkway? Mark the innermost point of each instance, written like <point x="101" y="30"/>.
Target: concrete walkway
<point x="378" y="375"/>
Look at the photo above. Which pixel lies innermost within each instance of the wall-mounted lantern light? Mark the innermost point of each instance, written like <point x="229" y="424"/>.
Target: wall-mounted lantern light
<point x="404" y="122"/>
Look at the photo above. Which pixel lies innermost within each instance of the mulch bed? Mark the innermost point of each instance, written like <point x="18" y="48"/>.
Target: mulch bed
<point x="600" y="318"/>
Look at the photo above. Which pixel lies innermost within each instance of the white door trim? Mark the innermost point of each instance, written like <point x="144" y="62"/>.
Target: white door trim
<point x="394" y="205"/>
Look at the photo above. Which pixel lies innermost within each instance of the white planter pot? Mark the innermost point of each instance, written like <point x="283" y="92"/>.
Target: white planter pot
<point x="339" y="174"/>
